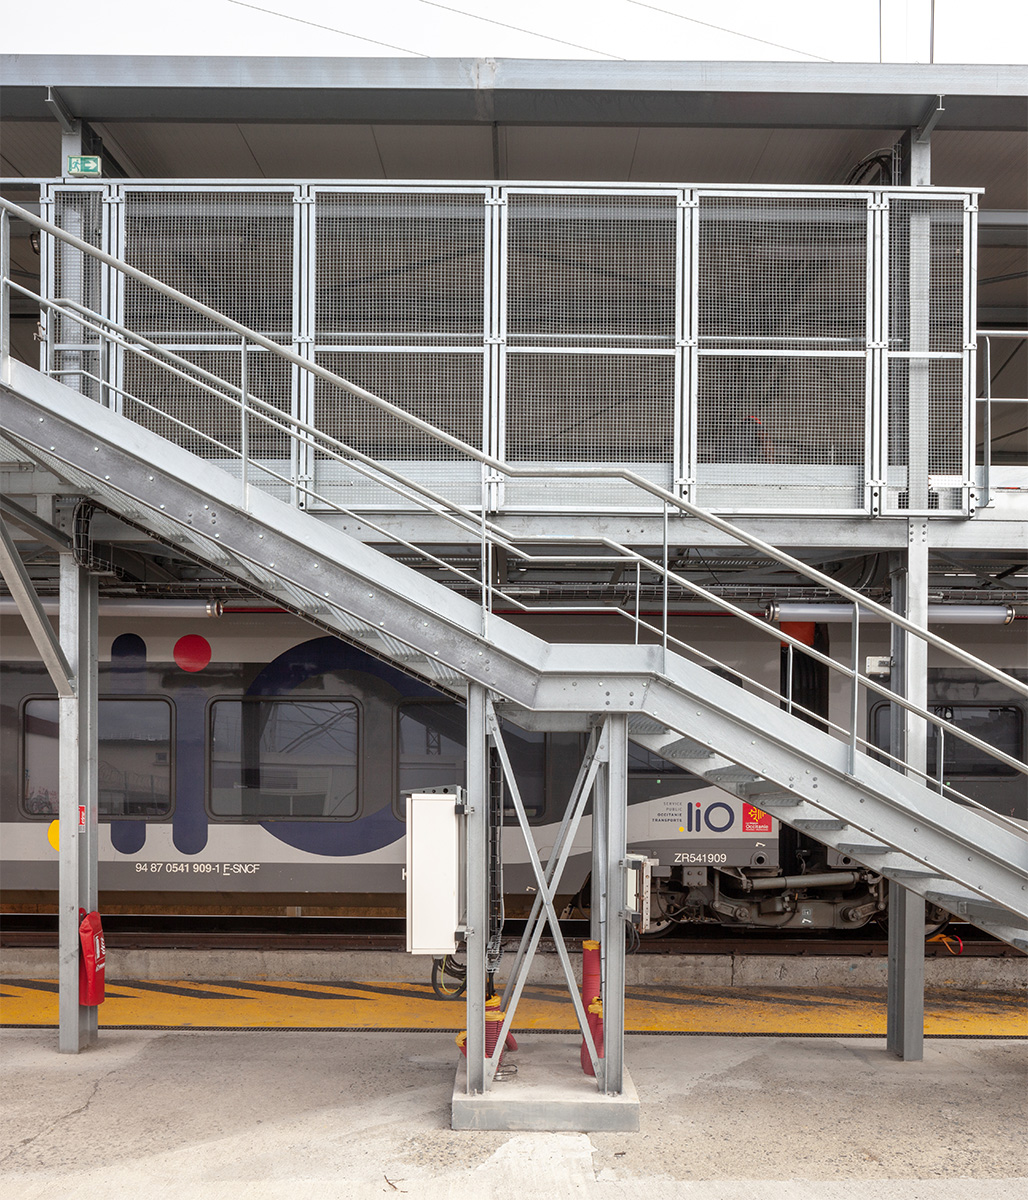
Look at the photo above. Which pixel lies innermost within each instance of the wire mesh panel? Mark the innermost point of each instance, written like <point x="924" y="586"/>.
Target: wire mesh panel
<point x="615" y="409"/>
<point x="926" y="275"/>
<point x="233" y="251"/>
<point x="595" y="276"/>
<point x="444" y="389"/>
<point x="192" y="410"/>
<point x="785" y="274"/>
<point x="399" y="268"/>
<point x="78" y="277"/>
<point x="591" y="270"/>
<point x="926" y="402"/>
<point x="401" y="273"/>
<point x="782" y="272"/>
<point x="926" y="426"/>
<point x="779" y="433"/>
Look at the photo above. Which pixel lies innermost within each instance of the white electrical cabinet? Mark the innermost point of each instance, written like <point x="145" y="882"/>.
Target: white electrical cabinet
<point x="638" y="879"/>
<point x="435" y="876"/>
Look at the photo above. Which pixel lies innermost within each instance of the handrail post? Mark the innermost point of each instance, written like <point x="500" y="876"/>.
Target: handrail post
<point x="664" y="643"/>
<point x="484" y="555"/>
<point x="788" y="677"/>
<point x="854" y="689"/>
<point x="5" y="294"/>
<point x="244" y="425"/>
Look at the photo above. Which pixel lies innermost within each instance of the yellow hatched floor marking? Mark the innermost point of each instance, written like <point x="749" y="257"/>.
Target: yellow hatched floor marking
<point x="371" y="1005"/>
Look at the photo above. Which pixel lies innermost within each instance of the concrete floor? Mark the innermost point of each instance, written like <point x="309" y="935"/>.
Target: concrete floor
<point x="289" y="1115"/>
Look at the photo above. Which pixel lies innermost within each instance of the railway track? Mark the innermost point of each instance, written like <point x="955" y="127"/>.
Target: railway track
<point x="124" y="932"/>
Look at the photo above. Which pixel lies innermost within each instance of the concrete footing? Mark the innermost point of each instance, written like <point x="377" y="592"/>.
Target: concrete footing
<point x="549" y="1092"/>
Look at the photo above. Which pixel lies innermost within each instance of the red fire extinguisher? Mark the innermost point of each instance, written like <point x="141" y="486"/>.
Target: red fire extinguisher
<point x="92" y="959"/>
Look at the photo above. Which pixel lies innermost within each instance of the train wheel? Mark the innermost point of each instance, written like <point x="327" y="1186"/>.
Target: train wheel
<point x="936" y="920"/>
<point x="449" y="976"/>
<point x="665" y="914"/>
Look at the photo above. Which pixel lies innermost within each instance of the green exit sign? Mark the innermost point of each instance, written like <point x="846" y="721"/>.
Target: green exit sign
<point x="84" y="165"/>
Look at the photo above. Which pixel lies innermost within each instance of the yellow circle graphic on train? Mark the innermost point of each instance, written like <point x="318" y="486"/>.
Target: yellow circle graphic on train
<point x="53" y="834"/>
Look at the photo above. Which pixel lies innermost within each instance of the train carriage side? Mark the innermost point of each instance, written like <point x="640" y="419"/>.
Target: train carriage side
<point x="247" y="766"/>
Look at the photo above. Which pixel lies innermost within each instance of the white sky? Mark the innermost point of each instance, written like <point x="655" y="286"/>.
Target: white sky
<point x="985" y="31"/>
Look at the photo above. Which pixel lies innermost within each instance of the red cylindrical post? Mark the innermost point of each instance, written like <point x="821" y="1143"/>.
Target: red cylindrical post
<point x="590" y="993"/>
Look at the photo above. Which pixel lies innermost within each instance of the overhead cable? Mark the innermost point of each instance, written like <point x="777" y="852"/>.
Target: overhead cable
<point x="517" y="29"/>
<point x="721" y="29"/>
<point x="329" y="28"/>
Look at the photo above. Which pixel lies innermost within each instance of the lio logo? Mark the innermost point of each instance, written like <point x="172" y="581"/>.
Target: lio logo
<point x="717" y="817"/>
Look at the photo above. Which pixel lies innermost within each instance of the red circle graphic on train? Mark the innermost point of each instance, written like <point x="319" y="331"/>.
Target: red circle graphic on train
<point x="192" y="652"/>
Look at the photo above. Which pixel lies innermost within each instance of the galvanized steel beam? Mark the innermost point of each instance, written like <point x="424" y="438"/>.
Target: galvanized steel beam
<point x="476" y="843"/>
<point x="79" y="798"/>
<point x="905" y="1000"/>
<point x="614" y="904"/>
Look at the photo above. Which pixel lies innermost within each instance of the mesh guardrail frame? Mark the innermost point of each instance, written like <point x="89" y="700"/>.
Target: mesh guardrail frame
<point x="768" y="350"/>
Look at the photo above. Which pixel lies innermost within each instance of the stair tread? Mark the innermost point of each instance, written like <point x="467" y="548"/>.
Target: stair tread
<point x="732" y="775"/>
<point x="686" y="748"/>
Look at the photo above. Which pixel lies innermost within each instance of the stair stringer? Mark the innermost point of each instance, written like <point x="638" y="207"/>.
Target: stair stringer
<point x="345" y="585"/>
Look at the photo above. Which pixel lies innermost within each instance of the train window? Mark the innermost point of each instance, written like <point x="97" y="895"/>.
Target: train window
<point x="999" y="725"/>
<point x="645" y="762"/>
<point x="283" y="759"/>
<point x="134" y="758"/>
<point x="527" y="750"/>
<point x="432" y="740"/>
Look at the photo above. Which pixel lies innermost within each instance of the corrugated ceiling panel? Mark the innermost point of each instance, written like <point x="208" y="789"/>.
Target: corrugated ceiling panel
<point x="186" y="150"/>
<point x="30" y="148"/>
<point x="753" y="155"/>
<point x="577" y="153"/>
<point x="994" y="264"/>
<point x="435" y="151"/>
<point x="996" y="161"/>
<point x="315" y="151"/>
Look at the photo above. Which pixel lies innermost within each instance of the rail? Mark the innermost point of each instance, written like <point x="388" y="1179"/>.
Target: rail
<point x="252" y="412"/>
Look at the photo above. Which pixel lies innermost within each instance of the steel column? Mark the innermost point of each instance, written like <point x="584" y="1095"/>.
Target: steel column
<point x="78" y="798"/>
<point x="905" y="1019"/>
<point x="613" y="902"/>
<point x="476" y="890"/>
<point x="598" y="875"/>
<point x="73" y="144"/>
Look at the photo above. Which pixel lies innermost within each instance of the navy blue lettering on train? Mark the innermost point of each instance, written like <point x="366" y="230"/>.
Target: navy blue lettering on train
<point x="128" y="677"/>
<point x="370" y="831"/>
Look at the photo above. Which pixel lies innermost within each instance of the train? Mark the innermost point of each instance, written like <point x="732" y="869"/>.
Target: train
<point x="255" y="765"/>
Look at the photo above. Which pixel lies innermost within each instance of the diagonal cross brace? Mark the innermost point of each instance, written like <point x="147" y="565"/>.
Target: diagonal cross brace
<point x="595" y="756"/>
<point x="545" y="895"/>
<point x="50" y="651"/>
<point x="595" y="753"/>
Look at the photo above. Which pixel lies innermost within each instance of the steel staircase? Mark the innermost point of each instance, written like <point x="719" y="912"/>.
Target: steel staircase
<point x="956" y="858"/>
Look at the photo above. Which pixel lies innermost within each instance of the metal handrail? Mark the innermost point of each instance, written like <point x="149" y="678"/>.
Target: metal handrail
<point x="562" y="471"/>
<point x="489" y="531"/>
<point x="462" y="518"/>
